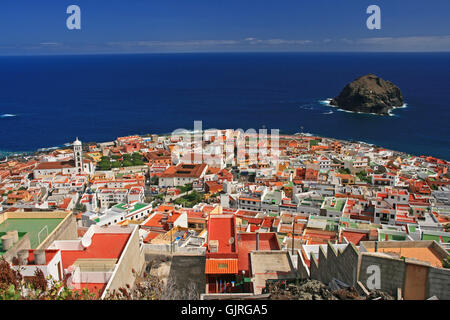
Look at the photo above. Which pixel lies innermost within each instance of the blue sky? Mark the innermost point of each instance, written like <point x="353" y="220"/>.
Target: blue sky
<point x="140" y="26"/>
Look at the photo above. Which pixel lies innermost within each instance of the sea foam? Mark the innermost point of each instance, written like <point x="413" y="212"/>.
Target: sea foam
<point x="7" y="115"/>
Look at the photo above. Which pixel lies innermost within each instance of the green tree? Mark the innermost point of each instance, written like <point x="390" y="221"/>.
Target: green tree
<point x="80" y="207"/>
<point x="13" y="286"/>
<point x="344" y="171"/>
<point x="138" y="162"/>
<point x="104" y="165"/>
<point x="115" y="164"/>
<point x="446" y="263"/>
<point x="154" y="180"/>
<point x="127" y="163"/>
<point x="185" y="188"/>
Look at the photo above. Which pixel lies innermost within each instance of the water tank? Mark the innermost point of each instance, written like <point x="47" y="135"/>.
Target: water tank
<point x="7" y="242"/>
<point x="39" y="257"/>
<point x="14" y="234"/>
<point x="23" y="257"/>
<point x="86" y="242"/>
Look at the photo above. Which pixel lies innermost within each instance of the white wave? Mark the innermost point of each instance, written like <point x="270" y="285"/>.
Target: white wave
<point x="348" y="111"/>
<point x="7" y="115"/>
<point x="405" y="105"/>
<point x="374" y="114"/>
<point x="307" y="106"/>
<point x="48" y="149"/>
<point x="402" y="106"/>
<point x="325" y="102"/>
<point x="329" y="112"/>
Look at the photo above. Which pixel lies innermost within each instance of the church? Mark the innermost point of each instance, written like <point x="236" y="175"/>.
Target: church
<point x="77" y="165"/>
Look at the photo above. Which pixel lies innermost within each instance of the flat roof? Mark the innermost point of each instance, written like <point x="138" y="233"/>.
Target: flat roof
<point x="426" y="251"/>
<point x="247" y="243"/>
<point x="270" y="265"/>
<point x="32" y="226"/>
<point x="103" y="246"/>
<point x="135" y="207"/>
<point x="437" y="238"/>
<point x="222" y="228"/>
<point x="338" y="204"/>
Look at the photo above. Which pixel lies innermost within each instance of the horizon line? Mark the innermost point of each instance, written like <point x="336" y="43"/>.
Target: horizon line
<point x="218" y="52"/>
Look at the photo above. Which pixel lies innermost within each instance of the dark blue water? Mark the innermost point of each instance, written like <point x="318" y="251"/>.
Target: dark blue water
<point x="97" y="98"/>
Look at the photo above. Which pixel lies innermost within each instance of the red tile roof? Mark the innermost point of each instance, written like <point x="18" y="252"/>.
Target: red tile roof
<point x="221" y="266"/>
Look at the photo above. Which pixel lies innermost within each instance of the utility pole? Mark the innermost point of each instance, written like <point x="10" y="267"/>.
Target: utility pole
<point x="293" y="229"/>
<point x="171" y="236"/>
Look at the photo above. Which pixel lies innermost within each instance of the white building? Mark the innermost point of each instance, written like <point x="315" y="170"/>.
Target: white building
<point x="75" y="166"/>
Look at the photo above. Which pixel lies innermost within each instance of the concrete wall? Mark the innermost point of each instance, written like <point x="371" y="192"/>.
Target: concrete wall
<point x="352" y="265"/>
<point x="66" y="230"/>
<point x="392" y="271"/>
<point x="187" y="268"/>
<point x="341" y="265"/>
<point x="314" y="267"/>
<point x="165" y="249"/>
<point x="132" y="258"/>
<point x="302" y="268"/>
<point x="438" y="283"/>
<point x="34" y="214"/>
<point x="183" y="268"/>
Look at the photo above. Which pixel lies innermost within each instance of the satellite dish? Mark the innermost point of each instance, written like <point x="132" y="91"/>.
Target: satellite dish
<point x="231" y="240"/>
<point x="86" y="242"/>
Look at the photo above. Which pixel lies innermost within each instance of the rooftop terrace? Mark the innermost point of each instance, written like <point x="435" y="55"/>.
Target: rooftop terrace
<point x="32" y="226"/>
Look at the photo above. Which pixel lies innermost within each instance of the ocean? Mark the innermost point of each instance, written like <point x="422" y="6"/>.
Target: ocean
<point x="47" y="101"/>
